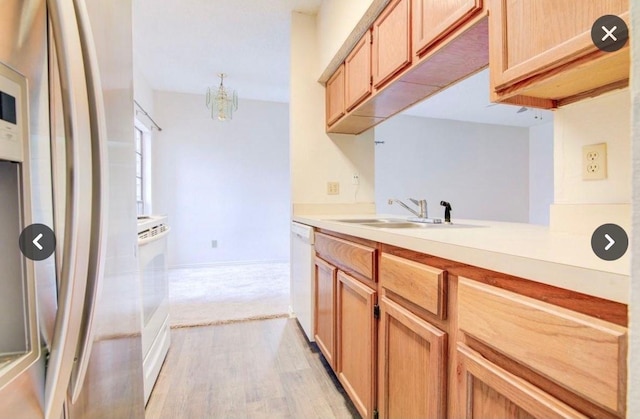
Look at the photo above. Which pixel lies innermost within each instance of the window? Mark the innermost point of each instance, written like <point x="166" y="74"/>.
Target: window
<point x="140" y="178"/>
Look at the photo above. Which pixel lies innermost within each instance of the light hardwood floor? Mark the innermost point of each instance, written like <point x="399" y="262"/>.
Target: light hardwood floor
<point x="251" y="369"/>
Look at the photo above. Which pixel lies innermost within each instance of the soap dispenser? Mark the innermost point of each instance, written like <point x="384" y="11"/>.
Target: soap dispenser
<point x="447" y="211"/>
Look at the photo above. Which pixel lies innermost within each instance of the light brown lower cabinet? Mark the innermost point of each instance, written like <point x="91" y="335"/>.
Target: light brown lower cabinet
<point x="412" y="365"/>
<point x="441" y="345"/>
<point x="325" y="308"/>
<point x="356" y="338"/>
<point x="490" y="392"/>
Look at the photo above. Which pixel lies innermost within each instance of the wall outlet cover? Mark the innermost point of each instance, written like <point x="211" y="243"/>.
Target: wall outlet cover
<point x="594" y="161"/>
<point x="333" y="188"/>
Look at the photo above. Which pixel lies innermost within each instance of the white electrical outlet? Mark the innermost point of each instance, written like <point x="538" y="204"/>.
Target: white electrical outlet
<point x="594" y="161"/>
<point x="355" y="180"/>
<point x="333" y="188"/>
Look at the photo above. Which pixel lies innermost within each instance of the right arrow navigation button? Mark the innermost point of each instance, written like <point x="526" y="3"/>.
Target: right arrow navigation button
<point x="609" y="242"/>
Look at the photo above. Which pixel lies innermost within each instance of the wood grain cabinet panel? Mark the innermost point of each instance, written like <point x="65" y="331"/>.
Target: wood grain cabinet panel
<point x="353" y="258"/>
<point x="581" y="353"/>
<point x="334" y="91"/>
<point x="357" y="67"/>
<point x="325" y="308"/>
<point x="412" y="359"/>
<point x="434" y="19"/>
<point x="543" y="48"/>
<point x="356" y="339"/>
<point x="489" y="392"/>
<point x="391" y="41"/>
<point x="421" y="284"/>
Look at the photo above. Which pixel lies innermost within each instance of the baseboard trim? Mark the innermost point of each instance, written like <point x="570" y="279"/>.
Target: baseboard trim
<point x="229" y="321"/>
<point x="224" y="263"/>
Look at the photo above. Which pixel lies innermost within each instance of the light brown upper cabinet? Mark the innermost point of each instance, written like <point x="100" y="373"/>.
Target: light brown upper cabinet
<point x="335" y="96"/>
<point x="391" y="41"/>
<point x="357" y="69"/>
<point x="542" y="50"/>
<point x="434" y="19"/>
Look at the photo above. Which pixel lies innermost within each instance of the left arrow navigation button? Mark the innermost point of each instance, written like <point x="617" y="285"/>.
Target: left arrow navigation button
<point x="37" y="242"/>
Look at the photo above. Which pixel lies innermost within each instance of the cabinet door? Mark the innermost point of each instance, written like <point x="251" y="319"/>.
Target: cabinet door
<point x="433" y="19"/>
<point x="531" y="36"/>
<point x="391" y="41"/>
<point x="325" y="309"/>
<point x="490" y="392"/>
<point x="335" y="96"/>
<point x="412" y="365"/>
<point x="356" y="342"/>
<point x="357" y="69"/>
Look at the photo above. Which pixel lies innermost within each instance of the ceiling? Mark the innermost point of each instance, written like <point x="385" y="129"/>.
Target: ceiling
<point x="182" y="48"/>
<point x="468" y="100"/>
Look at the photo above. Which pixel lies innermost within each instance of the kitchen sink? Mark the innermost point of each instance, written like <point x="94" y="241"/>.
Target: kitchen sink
<point x="370" y="220"/>
<point x="400" y="223"/>
<point x="403" y="224"/>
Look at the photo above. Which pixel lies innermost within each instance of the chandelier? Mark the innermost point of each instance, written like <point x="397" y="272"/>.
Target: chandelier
<point x="221" y="102"/>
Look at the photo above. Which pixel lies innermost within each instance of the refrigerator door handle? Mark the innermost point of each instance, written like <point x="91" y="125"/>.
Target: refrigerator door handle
<point x="78" y="207"/>
<point x="99" y="199"/>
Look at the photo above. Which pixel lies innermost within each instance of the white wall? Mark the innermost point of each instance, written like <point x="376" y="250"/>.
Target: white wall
<point x="336" y="20"/>
<point x="604" y="119"/>
<point x="222" y="181"/>
<point x="540" y="173"/>
<point x="481" y="169"/>
<point x="318" y="157"/>
<point x="142" y="91"/>
<point x="580" y="206"/>
<point x="633" y="394"/>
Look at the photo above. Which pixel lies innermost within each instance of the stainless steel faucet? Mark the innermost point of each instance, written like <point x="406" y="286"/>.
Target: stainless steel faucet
<point x="421" y="203"/>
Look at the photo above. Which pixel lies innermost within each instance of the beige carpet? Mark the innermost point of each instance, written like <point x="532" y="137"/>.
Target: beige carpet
<point x="228" y="293"/>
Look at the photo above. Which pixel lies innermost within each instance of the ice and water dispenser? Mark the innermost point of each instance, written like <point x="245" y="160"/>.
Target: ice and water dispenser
<point x="19" y="341"/>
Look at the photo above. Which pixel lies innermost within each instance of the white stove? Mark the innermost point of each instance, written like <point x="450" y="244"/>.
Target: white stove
<point x="152" y="258"/>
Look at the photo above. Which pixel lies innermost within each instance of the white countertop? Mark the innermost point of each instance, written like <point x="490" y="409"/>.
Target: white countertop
<point x="528" y="251"/>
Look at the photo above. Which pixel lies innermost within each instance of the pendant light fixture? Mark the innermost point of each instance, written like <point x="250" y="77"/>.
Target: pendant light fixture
<point x="222" y="101"/>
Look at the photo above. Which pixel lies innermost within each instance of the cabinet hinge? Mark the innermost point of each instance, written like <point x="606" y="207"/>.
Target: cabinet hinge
<point x="375" y="413"/>
<point x="376" y="311"/>
<point x="371" y="81"/>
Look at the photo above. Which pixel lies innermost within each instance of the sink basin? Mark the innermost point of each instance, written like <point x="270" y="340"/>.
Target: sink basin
<point x="370" y="220"/>
<point x="400" y="223"/>
<point x="403" y="224"/>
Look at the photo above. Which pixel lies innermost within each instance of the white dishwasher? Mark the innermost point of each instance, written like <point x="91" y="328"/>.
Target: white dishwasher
<point x="302" y="271"/>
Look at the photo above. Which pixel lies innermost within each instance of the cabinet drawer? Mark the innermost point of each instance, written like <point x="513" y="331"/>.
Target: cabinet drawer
<point x="350" y="257"/>
<point x="584" y="354"/>
<point x="490" y="391"/>
<point x="419" y="283"/>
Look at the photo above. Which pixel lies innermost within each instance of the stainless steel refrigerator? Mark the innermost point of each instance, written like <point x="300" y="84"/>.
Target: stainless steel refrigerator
<point x="70" y="324"/>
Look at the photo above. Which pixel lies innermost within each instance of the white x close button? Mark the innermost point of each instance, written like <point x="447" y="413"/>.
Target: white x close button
<point x="609" y="33"/>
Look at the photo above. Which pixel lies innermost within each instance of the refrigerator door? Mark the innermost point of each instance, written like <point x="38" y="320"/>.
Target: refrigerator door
<point x="78" y="205"/>
<point x="23" y="25"/>
<point x="113" y="384"/>
<point x="83" y="335"/>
